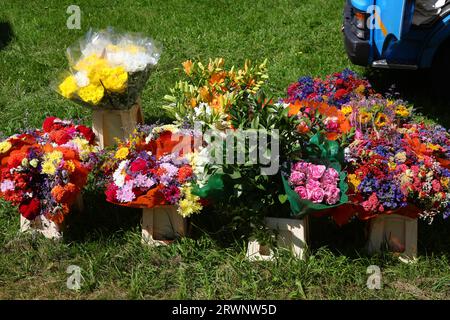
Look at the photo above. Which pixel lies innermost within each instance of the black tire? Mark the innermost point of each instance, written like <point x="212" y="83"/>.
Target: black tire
<point x="440" y="72"/>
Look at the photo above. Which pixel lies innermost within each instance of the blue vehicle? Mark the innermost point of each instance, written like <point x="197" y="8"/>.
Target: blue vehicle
<point x="398" y="34"/>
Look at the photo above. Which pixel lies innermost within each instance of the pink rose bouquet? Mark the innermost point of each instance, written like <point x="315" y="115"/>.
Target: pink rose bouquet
<point x="315" y="183"/>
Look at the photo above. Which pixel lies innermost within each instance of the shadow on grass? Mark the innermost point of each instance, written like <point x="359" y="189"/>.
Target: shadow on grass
<point x="100" y="219"/>
<point x="349" y="240"/>
<point x="428" y="92"/>
<point x="6" y="34"/>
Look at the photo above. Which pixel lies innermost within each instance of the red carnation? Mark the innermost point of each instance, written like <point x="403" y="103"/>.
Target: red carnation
<point x="138" y="165"/>
<point x="111" y="193"/>
<point x="184" y="173"/>
<point x="339" y="82"/>
<point x="87" y="133"/>
<point x="30" y="209"/>
<point x="60" y="136"/>
<point x="340" y="93"/>
<point x="48" y="124"/>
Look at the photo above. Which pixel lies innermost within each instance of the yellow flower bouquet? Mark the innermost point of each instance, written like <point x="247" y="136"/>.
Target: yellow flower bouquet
<point x="108" y="70"/>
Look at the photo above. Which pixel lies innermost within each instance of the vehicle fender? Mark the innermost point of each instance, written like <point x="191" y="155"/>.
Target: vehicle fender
<point x="438" y="36"/>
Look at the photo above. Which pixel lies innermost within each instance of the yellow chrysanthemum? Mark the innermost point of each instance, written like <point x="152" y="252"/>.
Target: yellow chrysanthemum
<point x="68" y="87"/>
<point x="84" y="147"/>
<point x="190" y="203"/>
<point x="5" y="146"/>
<point x="70" y="166"/>
<point x="346" y="110"/>
<point x="122" y="153"/>
<point x="92" y="93"/>
<point x="114" y="79"/>
<point x="54" y="156"/>
<point x="402" y="111"/>
<point x="354" y="181"/>
<point x="90" y="63"/>
<point x="48" y="167"/>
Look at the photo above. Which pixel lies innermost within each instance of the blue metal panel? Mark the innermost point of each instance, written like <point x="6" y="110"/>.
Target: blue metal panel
<point x="390" y="23"/>
<point x="362" y="5"/>
<point x="437" y="36"/>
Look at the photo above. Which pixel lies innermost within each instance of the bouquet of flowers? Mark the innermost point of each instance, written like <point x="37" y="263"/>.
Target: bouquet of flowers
<point x="210" y="91"/>
<point x="391" y="173"/>
<point x="108" y="70"/>
<point x="43" y="171"/>
<point x="152" y="168"/>
<point x="322" y="118"/>
<point x="336" y="89"/>
<point x="315" y="183"/>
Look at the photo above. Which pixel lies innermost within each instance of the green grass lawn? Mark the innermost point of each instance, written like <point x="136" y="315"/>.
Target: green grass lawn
<point x="300" y="37"/>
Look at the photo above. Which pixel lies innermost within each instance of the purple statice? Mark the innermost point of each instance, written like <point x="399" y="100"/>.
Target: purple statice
<point x="447" y="213"/>
<point x="7" y="185"/>
<point x="143" y="181"/>
<point x="125" y="193"/>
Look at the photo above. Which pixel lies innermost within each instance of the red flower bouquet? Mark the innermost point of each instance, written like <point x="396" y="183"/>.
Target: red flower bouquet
<point x="43" y="171"/>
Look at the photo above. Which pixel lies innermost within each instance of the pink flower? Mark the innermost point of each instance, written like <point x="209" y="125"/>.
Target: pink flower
<point x="302" y="192"/>
<point x="330" y="177"/>
<point x="316" y="171"/>
<point x="359" y="135"/>
<point x="316" y="195"/>
<point x="297" y="178"/>
<point x="331" y="123"/>
<point x="313" y="184"/>
<point x="332" y="195"/>
<point x="301" y="167"/>
<point x="372" y="203"/>
<point x="436" y="185"/>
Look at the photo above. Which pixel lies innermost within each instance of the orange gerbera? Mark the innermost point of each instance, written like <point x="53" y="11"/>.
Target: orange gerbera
<point x="16" y="156"/>
<point x="48" y="148"/>
<point x="68" y="154"/>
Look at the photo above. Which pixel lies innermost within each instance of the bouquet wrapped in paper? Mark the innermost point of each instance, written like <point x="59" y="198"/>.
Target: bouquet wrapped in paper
<point x="108" y="70"/>
<point x="43" y="171"/>
<point x="154" y="167"/>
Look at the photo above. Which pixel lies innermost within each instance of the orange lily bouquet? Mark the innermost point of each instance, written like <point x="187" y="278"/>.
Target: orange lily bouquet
<point x="43" y="171"/>
<point x="209" y="91"/>
<point x="108" y="70"/>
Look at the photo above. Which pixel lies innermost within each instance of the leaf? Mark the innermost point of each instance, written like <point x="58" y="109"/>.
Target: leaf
<point x="282" y="198"/>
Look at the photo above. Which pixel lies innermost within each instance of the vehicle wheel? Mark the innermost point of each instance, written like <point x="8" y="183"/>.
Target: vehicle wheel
<point x="440" y="71"/>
